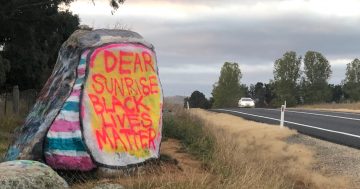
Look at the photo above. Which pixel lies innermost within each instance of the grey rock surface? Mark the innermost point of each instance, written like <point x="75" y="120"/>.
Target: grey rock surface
<point x="108" y="186"/>
<point x="26" y="174"/>
<point x="103" y="172"/>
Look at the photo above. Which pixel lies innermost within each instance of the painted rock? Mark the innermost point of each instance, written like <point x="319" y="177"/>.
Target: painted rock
<point x="30" y="175"/>
<point x="102" y="105"/>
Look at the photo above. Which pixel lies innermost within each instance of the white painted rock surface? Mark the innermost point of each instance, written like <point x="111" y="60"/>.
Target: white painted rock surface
<point x="28" y="174"/>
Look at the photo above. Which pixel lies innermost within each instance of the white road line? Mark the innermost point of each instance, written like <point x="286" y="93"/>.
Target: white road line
<point x="249" y="114"/>
<point x="326" y="115"/>
<point x="299" y="124"/>
<point x="328" y="111"/>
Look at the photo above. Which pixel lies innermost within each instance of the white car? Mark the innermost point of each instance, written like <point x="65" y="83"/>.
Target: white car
<point x="246" y="102"/>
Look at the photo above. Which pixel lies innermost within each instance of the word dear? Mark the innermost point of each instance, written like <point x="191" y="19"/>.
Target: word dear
<point x="126" y="63"/>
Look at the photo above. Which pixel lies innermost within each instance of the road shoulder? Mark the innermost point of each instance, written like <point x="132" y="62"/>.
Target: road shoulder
<point x="343" y="110"/>
<point x="332" y="159"/>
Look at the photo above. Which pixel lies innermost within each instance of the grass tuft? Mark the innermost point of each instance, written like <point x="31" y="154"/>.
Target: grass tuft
<point x="7" y="127"/>
<point x="335" y="106"/>
<point x="189" y="130"/>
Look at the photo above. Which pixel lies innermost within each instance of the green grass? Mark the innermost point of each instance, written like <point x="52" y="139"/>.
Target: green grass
<point x="191" y="132"/>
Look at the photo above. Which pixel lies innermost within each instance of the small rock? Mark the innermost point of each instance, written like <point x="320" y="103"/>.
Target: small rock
<point x="21" y="174"/>
<point x="103" y="172"/>
<point x="108" y="186"/>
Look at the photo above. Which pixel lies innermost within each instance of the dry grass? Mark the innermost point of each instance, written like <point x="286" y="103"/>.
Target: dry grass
<point x="245" y="155"/>
<point x="24" y="107"/>
<point x="227" y="152"/>
<point x="344" y="107"/>
<point x="7" y="127"/>
<point x="254" y="155"/>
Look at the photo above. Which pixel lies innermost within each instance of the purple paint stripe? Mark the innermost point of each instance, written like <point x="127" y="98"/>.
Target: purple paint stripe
<point x="81" y="71"/>
<point x="75" y="92"/>
<point x="61" y="125"/>
<point x="70" y="163"/>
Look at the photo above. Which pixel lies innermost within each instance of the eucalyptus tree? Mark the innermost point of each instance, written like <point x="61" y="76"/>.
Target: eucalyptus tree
<point x="352" y="80"/>
<point x="286" y="77"/>
<point x="228" y="90"/>
<point x="317" y="72"/>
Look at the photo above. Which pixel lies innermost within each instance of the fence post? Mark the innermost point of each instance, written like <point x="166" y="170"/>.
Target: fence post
<point x="16" y="99"/>
<point x="5" y="102"/>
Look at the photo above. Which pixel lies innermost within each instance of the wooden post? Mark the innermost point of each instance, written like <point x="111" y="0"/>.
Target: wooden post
<point x="5" y="106"/>
<point x="16" y="99"/>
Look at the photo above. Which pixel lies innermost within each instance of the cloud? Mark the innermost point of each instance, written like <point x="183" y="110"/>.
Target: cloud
<point x="194" y="38"/>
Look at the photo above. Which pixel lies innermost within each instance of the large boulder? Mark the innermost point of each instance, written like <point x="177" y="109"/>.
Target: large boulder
<point x="101" y="107"/>
<point x="27" y="174"/>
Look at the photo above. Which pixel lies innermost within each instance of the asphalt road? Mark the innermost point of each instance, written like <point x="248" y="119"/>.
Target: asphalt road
<point x="338" y="127"/>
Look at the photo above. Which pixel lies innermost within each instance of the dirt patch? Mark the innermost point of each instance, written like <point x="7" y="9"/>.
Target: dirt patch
<point x="174" y="166"/>
<point x="172" y="148"/>
<point x="332" y="159"/>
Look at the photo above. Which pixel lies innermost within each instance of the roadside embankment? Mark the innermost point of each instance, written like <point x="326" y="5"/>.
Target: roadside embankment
<point x="250" y="151"/>
<point x="202" y="149"/>
<point x="332" y="159"/>
<point x="340" y="107"/>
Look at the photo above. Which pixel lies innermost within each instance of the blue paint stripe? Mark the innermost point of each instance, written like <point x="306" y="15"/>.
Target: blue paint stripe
<point x="82" y="61"/>
<point x="65" y="144"/>
<point x="79" y="81"/>
<point x="71" y="106"/>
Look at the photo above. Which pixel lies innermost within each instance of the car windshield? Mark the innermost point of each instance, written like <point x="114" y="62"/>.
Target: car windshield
<point x="246" y="99"/>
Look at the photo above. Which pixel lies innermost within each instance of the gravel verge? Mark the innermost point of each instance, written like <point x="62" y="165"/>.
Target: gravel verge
<point x="332" y="159"/>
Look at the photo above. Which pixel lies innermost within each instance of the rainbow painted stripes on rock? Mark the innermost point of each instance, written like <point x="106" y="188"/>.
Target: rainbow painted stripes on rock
<point x="64" y="146"/>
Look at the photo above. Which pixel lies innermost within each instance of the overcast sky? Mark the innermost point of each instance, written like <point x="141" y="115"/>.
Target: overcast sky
<point x="193" y="38"/>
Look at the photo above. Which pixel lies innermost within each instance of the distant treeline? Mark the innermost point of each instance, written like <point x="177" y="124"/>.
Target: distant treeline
<point x="290" y="84"/>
